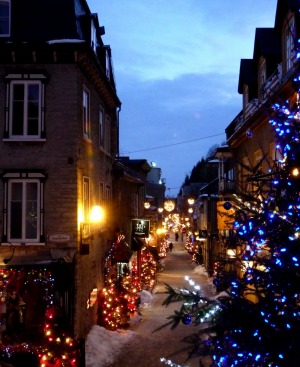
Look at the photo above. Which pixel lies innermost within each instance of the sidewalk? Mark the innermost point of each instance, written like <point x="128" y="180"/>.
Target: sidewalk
<point x="147" y="347"/>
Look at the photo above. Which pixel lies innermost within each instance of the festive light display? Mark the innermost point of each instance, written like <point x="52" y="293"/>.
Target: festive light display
<point x="118" y="301"/>
<point x="55" y="347"/>
<point x="148" y="269"/>
<point x="257" y="322"/>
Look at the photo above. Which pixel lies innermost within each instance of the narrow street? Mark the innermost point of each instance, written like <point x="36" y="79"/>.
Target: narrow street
<point x="147" y="347"/>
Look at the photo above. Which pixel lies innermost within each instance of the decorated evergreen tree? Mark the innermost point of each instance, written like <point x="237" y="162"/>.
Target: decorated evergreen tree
<point x="256" y="321"/>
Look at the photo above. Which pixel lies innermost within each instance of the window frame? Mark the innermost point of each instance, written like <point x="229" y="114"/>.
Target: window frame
<point x="107" y="62"/>
<point x="107" y="134"/>
<point x="101" y="193"/>
<point x="101" y="127"/>
<point x="86" y="113"/>
<point x="94" y="42"/>
<point x="7" y="18"/>
<point x="86" y="198"/>
<point x="25" y="79"/>
<point x="290" y="32"/>
<point x="23" y="177"/>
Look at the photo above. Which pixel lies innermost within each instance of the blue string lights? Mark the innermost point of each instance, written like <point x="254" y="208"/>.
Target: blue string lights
<point x="257" y="322"/>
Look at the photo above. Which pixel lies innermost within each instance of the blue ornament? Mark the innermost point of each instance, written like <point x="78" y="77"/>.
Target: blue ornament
<point x="249" y="134"/>
<point x="186" y="319"/>
<point x="216" y="282"/>
<point x="227" y="205"/>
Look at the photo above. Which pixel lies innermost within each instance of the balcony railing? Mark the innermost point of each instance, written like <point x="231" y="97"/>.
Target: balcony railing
<point x="272" y="84"/>
<point x="227" y="186"/>
<point x="251" y="108"/>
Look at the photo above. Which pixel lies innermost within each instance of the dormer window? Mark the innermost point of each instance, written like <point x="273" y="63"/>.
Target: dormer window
<point x="4" y="18"/>
<point x="263" y="73"/>
<point x="107" y="62"/>
<point x="245" y="95"/>
<point x="93" y="37"/>
<point x="290" y="43"/>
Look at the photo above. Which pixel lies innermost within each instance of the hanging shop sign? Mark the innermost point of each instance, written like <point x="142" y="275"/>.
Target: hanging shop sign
<point x="140" y="228"/>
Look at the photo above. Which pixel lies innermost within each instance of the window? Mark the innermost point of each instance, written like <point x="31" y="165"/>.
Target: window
<point x="4" y="18"/>
<point x="101" y="193"/>
<point x="107" y="192"/>
<point x="86" y="199"/>
<point x="107" y="62"/>
<point x="290" y="43"/>
<point x="93" y="37"/>
<point x="107" y="135"/>
<point x="23" y="208"/>
<point x="86" y="114"/>
<point x="263" y="73"/>
<point x="25" y="107"/>
<point x="245" y="95"/>
<point x="101" y="128"/>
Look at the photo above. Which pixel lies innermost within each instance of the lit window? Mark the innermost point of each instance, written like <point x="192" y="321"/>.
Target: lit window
<point x="4" y="18"/>
<point x="86" y="114"/>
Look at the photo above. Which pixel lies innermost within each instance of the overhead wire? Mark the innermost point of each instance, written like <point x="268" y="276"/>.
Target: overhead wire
<point x="174" y="144"/>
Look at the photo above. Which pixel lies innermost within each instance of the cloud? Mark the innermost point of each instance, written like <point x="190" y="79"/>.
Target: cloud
<point x="176" y="68"/>
<point x="159" y="116"/>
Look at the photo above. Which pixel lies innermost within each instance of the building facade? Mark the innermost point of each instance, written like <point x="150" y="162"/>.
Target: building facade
<point x="58" y="143"/>
<point x="265" y="80"/>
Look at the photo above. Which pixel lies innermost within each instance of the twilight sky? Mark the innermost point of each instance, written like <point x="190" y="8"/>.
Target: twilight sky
<point x="176" y="66"/>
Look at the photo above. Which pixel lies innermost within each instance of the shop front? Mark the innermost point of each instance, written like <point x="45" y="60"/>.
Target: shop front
<point x="36" y="315"/>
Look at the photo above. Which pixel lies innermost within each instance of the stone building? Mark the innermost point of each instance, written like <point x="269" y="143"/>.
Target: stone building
<point x="59" y="139"/>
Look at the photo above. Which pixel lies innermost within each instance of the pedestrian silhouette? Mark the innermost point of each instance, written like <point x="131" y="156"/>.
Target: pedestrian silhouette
<point x="176" y="236"/>
<point x="171" y="246"/>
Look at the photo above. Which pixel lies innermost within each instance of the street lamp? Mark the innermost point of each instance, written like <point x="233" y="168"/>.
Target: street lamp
<point x="96" y="216"/>
<point x="147" y="205"/>
<point x="191" y="201"/>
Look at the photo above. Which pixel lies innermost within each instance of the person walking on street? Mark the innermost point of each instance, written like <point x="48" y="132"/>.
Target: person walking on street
<point x="171" y="246"/>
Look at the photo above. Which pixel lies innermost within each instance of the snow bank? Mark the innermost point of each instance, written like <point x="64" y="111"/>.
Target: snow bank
<point x="102" y="345"/>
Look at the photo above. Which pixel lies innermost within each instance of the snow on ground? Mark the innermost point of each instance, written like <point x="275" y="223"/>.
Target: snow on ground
<point x="103" y="346"/>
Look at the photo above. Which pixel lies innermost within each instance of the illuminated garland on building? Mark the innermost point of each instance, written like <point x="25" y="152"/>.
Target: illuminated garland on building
<point x="57" y="348"/>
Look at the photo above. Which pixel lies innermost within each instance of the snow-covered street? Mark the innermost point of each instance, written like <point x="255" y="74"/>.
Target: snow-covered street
<point x="140" y="345"/>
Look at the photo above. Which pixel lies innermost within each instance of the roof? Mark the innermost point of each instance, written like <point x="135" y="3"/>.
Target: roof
<point x="267" y="43"/>
<point x="136" y="164"/>
<point x="248" y="74"/>
<point x="282" y="8"/>
<point x="53" y="20"/>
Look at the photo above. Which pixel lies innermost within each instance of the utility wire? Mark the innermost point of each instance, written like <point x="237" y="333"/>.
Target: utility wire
<point x="171" y="145"/>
